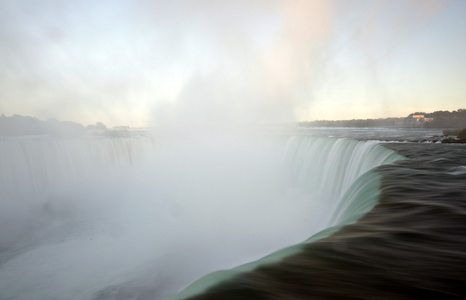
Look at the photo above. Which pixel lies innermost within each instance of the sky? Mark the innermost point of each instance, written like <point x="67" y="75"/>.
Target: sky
<point x="152" y="63"/>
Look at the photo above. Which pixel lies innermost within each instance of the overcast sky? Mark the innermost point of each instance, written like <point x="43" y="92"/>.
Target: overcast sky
<point x="143" y="62"/>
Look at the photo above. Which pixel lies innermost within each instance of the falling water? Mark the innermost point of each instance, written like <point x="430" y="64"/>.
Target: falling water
<point x="95" y="218"/>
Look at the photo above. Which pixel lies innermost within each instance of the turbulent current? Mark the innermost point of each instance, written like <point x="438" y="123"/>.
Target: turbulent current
<point x="131" y="218"/>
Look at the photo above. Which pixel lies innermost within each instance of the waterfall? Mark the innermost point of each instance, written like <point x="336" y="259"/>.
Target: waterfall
<point x="33" y="169"/>
<point x="339" y="174"/>
<point x="88" y="221"/>
<point x="333" y="169"/>
<point x="34" y="164"/>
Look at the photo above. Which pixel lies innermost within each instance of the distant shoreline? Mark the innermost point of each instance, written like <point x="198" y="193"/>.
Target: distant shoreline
<point x="437" y="119"/>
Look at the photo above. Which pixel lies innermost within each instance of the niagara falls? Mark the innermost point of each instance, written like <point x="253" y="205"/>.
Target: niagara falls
<point x="302" y="149"/>
<point x="81" y="197"/>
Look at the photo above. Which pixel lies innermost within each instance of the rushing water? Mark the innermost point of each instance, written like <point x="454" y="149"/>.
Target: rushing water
<point x="130" y="219"/>
<point x="410" y="246"/>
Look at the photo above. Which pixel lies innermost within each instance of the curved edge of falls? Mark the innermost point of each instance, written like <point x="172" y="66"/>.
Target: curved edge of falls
<point x="353" y="163"/>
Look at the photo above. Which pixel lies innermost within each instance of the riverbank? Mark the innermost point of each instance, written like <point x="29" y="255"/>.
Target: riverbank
<point x="450" y="136"/>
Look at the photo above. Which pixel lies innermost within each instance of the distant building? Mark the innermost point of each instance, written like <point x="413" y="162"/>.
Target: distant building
<point x="413" y="121"/>
<point x="422" y="118"/>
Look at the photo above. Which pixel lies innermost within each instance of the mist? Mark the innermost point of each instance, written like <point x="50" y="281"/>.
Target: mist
<point x="179" y="212"/>
<point x="268" y="61"/>
<point x="98" y="60"/>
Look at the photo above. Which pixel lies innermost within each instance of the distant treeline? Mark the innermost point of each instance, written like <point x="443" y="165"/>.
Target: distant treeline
<point x="445" y="119"/>
<point x="387" y="122"/>
<point x="441" y="119"/>
<point x="23" y="125"/>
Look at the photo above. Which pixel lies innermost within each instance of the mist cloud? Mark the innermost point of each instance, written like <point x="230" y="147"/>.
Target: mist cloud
<point x="117" y="61"/>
